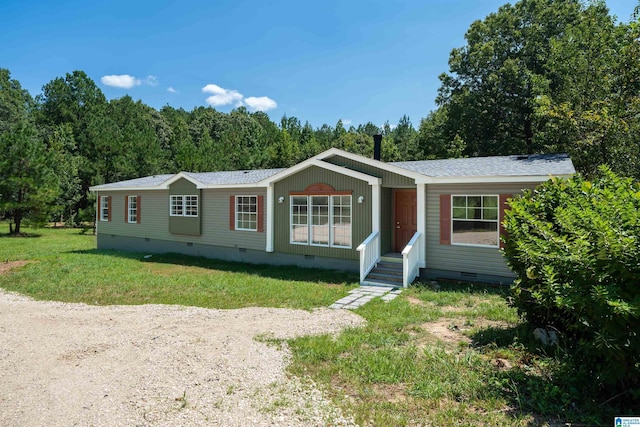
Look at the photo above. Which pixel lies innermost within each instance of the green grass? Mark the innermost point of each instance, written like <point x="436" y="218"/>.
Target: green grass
<point x="398" y="370"/>
<point x="66" y="267"/>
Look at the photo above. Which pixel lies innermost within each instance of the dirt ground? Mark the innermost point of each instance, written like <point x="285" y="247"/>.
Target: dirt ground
<point x="77" y="365"/>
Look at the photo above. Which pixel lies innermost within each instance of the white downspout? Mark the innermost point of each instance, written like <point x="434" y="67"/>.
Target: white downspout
<point x="421" y="201"/>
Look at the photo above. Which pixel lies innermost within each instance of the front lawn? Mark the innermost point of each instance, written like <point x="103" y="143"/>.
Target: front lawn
<point x="65" y="266"/>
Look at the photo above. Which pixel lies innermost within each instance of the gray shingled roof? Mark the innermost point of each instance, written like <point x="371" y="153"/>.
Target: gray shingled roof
<point x="233" y="177"/>
<point x="524" y="165"/>
<point x="147" y="181"/>
<point x="207" y="178"/>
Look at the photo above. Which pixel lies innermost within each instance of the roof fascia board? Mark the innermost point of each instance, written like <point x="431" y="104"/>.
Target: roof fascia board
<point x="489" y="179"/>
<point x="202" y="187"/>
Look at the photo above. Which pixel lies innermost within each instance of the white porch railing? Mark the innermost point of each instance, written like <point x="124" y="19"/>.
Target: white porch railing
<point x="411" y="260"/>
<point x="369" y="254"/>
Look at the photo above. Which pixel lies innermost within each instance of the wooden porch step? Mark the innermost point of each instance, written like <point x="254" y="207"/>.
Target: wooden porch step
<point x="387" y="273"/>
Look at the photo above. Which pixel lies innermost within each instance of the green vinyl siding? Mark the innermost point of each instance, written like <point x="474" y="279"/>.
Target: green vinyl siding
<point x="360" y="214"/>
<point x="216" y="222"/>
<point x="154" y="224"/>
<point x="479" y="260"/>
<point x="389" y="179"/>
<point x="153" y="211"/>
<point x="189" y="226"/>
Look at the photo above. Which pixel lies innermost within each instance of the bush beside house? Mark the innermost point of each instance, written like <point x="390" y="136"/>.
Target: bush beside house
<point x="575" y="247"/>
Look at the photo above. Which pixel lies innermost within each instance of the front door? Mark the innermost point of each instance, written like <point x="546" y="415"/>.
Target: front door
<point x="405" y="217"/>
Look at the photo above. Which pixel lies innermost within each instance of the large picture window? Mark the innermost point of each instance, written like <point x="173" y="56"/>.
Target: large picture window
<point x="186" y="205"/>
<point x="246" y="213"/>
<point x="474" y="220"/>
<point x="322" y="220"/>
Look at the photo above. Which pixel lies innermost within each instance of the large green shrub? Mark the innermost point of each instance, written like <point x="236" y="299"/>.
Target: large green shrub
<point x="575" y="247"/>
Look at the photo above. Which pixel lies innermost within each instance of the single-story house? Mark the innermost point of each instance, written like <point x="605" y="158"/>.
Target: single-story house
<point x="390" y="221"/>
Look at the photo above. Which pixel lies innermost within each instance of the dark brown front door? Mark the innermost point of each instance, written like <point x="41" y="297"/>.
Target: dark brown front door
<point x="405" y="217"/>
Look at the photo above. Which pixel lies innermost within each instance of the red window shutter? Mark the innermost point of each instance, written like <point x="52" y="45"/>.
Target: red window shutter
<point x="232" y="213"/>
<point x="503" y="206"/>
<point x="445" y="219"/>
<point x="138" y="209"/>
<point x="109" y="208"/>
<point x="260" y="208"/>
<point x="99" y="210"/>
<point x="126" y="208"/>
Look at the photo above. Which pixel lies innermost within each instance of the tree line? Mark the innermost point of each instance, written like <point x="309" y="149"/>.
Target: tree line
<point x="539" y="76"/>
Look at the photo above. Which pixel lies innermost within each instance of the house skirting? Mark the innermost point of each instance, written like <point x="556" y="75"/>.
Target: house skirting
<point x="250" y="256"/>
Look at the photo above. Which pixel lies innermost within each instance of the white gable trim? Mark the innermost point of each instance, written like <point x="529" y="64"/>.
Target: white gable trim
<point x="370" y="162"/>
<point x="177" y="177"/>
<point x="314" y="161"/>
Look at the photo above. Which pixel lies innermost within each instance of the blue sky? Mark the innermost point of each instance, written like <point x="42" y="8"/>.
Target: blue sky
<point x="358" y="61"/>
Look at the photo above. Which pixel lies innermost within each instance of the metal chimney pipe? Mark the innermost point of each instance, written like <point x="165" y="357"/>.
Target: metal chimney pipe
<point x="377" y="146"/>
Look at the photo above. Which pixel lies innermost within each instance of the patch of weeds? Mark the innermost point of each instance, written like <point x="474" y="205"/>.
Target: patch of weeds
<point x="182" y="400"/>
<point x="269" y="339"/>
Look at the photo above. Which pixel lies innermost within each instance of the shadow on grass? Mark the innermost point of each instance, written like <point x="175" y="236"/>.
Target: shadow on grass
<point x="284" y="272"/>
<point x="546" y="383"/>
<point x="466" y="287"/>
<point x="20" y="235"/>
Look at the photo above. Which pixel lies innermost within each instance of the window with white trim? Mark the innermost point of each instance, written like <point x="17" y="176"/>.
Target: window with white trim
<point x="104" y="208"/>
<point x="183" y="205"/>
<point x="474" y="220"/>
<point x="191" y="205"/>
<point x="246" y="213"/>
<point x="323" y="220"/>
<point x="341" y="221"/>
<point x="132" y="209"/>
<point x="299" y="220"/>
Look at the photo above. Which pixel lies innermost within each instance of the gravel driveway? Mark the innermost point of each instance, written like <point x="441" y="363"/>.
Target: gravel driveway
<point x="67" y="364"/>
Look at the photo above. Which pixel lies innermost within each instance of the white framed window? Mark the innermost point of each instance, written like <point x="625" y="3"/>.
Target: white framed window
<point x="321" y="220"/>
<point x="341" y="221"/>
<point x="474" y="220"/>
<point x="132" y="209"/>
<point x="191" y="205"/>
<point x="176" y="206"/>
<point x="299" y="220"/>
<point x="104" y="208"/>
<point x="183" y="205"/>
<point x="246" y="213"/>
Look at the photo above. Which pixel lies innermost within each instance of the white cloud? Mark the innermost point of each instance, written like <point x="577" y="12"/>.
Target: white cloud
<point x="346" y="122"/>
<point x="122" y="81"/>
<point x="172" y="90"/>
<point x="260" y="103"/>
<point x="221" y="96"/>
<point x="151" y="80"/>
